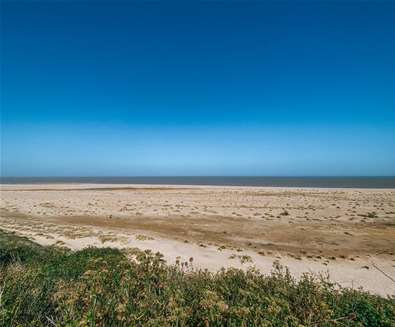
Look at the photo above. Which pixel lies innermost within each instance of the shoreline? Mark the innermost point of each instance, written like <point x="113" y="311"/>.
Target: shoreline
<point x="82" y="185"/>
<point x="325" y="182"/>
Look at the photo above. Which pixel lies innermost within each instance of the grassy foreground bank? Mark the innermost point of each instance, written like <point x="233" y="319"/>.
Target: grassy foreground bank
<point x="48" y="286"/>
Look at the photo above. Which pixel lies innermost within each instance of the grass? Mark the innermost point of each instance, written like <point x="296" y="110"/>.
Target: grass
<point x="372" y="214"/>
<point x="48" y="286"/>
<point x="284" y="213"/>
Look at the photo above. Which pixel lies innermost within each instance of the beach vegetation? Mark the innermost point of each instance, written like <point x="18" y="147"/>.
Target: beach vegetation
<point x="52" y="286"/>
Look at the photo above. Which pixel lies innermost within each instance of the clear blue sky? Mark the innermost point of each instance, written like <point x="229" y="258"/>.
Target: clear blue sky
<point x="227" y="88"/>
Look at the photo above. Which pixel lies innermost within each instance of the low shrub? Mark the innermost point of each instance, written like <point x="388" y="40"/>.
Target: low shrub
<point x="48" y="286"/>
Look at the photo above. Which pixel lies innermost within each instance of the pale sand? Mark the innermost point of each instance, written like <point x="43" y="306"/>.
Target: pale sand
<point x="347" y="233"/>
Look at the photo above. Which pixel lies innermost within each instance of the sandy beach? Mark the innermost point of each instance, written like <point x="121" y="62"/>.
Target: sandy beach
<point x="346" y="233"/>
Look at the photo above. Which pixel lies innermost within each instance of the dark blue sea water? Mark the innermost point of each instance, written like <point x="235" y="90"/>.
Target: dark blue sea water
<point x="326" y="182"/>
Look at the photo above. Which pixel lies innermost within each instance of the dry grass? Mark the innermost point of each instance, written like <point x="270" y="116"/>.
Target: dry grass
<point x="45" y="286"/>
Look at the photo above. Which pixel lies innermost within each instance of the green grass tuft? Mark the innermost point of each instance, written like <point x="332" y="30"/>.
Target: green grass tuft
<point x="48" y="286"/>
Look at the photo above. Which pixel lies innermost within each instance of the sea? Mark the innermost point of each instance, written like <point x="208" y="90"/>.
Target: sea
<point x="280" y="181"/>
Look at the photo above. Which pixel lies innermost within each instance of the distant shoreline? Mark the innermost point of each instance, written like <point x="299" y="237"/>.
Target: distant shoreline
<point x="381" y="182"/>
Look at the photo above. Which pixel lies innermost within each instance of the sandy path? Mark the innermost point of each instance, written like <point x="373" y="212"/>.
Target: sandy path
<point x="348" y="233"/>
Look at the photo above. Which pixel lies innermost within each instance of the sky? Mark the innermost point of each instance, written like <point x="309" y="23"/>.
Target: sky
<point x="197" y="88"/>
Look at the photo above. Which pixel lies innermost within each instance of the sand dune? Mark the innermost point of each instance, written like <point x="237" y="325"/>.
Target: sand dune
<point x="349" y="233"/>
